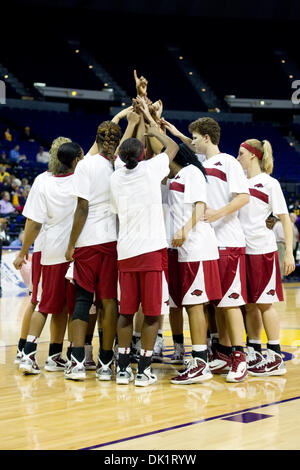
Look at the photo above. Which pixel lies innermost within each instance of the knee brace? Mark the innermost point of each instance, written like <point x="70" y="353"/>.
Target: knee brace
<point x="84" y="300"/>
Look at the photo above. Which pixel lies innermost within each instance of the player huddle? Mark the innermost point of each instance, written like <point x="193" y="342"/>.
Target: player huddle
<point x="157" y="229"/>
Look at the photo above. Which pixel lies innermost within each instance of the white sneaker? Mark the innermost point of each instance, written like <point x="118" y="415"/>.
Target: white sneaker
<point x="104" y="371"/>
<point x="197" y="372"/>
<point x="255" y="361"/>
<point x="178" y="356"/>
<point x="158" y="349"/>
<point x="55" y="363"/>
<point x="125" y="376"/>
<point x="89" y="362"/>
<point x="18" y="357"/>
<point x="145" y="378"/>
<point x="274" y="363"/>
<point x="75" y="370"/>
<point x="28" y="364"/>
<point x="238" y="371"/>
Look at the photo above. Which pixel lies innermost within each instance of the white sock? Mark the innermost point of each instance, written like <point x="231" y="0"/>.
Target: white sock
<point x="199" y="347"/>
<point x="254" y="341"/>
<point x="277" y="341"/>
<point x="32" y="339"/>
<point x="146" y="353"/>
<point x="123" y="350"/>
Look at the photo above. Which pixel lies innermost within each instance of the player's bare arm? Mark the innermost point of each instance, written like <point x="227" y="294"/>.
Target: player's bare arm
<point x="79" y="220"/>
<point x="212" y="215"/>
<point x="31" y="231"/>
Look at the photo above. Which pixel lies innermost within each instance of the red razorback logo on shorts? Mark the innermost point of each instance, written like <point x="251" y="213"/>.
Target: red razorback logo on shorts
<point x="197" y="292"/>
<point x="218" y="164"/>
<point x="234" y="295"/>
<point x="271" y="292"/>
<point x="259" y="185"/>
<point x="167" y="302"/>
<point x="177" y="177"/>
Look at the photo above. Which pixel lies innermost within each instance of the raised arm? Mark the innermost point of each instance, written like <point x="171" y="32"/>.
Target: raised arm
<point x="121" y="114"/>
<point x="176" y="133"/>
<point x="141" y="84"/>
<point x="133" y="119"/>
<point x="171" y="148"/>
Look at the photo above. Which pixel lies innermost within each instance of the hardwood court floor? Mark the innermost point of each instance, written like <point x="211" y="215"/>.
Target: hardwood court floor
<point x="48" y="412"/>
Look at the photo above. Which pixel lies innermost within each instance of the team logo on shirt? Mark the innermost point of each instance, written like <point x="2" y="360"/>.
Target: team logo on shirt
<point x="197" y="292"/>
<point x="218" y="164"/>
<point x="259" y="185"/>
<point x="234" y="295"/>
<point x="271" y="292"/>
<point x="177" y="177"/>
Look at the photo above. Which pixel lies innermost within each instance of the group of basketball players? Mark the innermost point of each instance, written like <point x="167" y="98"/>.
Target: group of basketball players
<point x="157" y="228"/>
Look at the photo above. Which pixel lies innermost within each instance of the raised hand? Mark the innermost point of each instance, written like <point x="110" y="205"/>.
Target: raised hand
<point x="133" y="117"/>
<point x="170" y="127"/>
<point x="141" y="84"/>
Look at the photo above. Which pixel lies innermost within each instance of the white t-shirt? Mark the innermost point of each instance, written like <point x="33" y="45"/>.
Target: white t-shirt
<point x="118" y="163"/>
<point x="226" y="179"/>
<point x="265" y="197"/>
<point x="92" y="182"/>
<point x="136" y="198"/>
<point x="29" y="208"/>
<point x="188" y="187"/>
<point x="55" y="209"/>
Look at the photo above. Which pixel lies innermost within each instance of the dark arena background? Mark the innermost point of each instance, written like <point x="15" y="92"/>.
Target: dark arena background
<point x="66" y="66"/>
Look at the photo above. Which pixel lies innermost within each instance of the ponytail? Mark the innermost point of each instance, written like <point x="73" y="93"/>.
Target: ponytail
<point x="131" y="163"/>
<point x="267" y="160"/>
<point x="108" y="137"/>
<point x="54" y="164"/>
<point x="265" y="148"/>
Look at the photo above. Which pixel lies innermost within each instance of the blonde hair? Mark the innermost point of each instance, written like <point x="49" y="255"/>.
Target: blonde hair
<point x="108" y="137"/>
<point x="267" y="161"/>
<point x="54" y="164"/>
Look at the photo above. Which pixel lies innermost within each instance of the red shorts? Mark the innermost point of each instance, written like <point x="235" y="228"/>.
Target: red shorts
<point x="36" y="270"/>
<point x="232" y="268"/>
<point x="145" y="287"/>
<point x="192" y="282"/>
<point x="96" y="269"/>
<point x="263" y="278"/>
<point x="54" y="288"/>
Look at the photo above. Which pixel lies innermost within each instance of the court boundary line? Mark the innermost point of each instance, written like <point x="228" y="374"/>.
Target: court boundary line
<point x="178" y="426"/>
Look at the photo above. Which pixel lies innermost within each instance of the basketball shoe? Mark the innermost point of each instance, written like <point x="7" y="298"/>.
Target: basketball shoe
<point x="104" y="371"/>
<point x="238" y="371"/>
<point x="28" y="364"/>
<point x="55" y="363"/>
<point x="75" y="370"/>
<point x="145" y="378"/>
<point x="220" y="364"/>
<point x="124" y="376"/>
<point x="197" y="371"/>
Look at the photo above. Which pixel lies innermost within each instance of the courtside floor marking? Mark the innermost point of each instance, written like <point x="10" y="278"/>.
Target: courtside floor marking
<point x="138" y="436"/>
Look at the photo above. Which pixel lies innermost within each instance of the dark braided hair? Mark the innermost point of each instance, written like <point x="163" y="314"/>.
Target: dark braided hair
<point x="108" y="136"/>
<point x="185" y="156"/>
